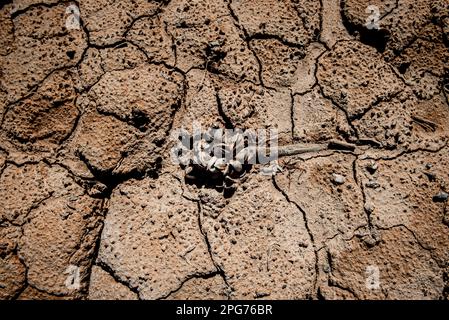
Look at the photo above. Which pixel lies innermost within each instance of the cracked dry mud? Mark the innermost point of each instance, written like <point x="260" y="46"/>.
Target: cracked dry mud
<point x="86" y="181"/>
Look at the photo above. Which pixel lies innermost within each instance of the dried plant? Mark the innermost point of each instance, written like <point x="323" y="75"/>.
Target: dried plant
<point x="225" y="155"/>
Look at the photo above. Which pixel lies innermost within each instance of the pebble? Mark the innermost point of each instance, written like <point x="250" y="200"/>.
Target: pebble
<point x="372" y="167"/>
<point x="369" y="207"/>
<point x="97" y="189"/>
<point x="338" y="179"/>
<point x="430" y="176"/>
<point x="65" y="214"/>
<point x="372" y="184"/>
<point x="440" y="197"/>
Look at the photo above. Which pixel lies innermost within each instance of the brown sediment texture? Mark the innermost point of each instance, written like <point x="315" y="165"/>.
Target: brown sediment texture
<point x="87" y="183"/>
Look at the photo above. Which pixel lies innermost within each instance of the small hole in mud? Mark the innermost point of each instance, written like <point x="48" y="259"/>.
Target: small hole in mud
<point x="139" y="119"/>
<point x="70" y="54"/>
<point x="403" y="67"/>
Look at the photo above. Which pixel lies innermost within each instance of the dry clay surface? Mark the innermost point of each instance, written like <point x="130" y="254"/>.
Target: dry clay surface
<point x="92" y="207"/>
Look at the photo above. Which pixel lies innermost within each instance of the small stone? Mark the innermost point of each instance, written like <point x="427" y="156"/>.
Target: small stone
<point x="258" y="295"/>
<point x="338" y="179"/>
<point x="369" y="207"/>
<point x="372" y="167"/>
<point x="370" y="241"/>
<point x="97" y="190"/>
<point x="432" y="177"/>
<point x="440" y="197"/>
<point x="65" y="214"/>
<point x="372" y="184"/>
<point x="215" y="43"/>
